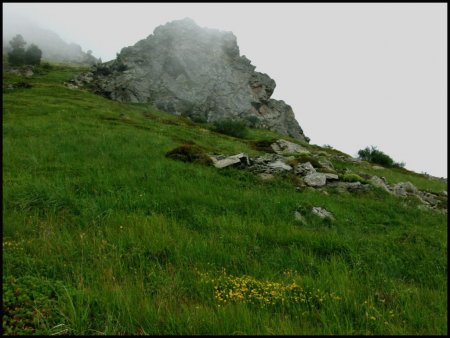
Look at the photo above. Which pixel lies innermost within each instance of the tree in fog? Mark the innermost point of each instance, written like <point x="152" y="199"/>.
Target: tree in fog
<point x="16" y="56"/>
<point x="33" y="55"/>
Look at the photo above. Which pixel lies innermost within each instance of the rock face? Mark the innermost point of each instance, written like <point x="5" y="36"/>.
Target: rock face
<point x="192" y="71"/>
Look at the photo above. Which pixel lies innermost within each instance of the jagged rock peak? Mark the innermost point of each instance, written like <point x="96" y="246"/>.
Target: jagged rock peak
<point x="198" y="72"/>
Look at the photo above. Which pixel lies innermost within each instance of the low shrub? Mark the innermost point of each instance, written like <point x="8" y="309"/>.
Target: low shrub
<point x="189" y="153"/>
<point x="30" y="306"/>
<point x="231" y="128"/>
<point x="374" y="155"/>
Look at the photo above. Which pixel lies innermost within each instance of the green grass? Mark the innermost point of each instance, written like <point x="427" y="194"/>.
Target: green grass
<point x="119" y="239"/>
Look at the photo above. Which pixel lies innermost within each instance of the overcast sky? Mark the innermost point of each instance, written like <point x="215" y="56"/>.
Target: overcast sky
<point x="355" y="74"/>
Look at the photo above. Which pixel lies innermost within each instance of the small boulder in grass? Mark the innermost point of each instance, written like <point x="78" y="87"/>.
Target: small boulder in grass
<point x="322" y="213"/>
<point x="190" y="153"/>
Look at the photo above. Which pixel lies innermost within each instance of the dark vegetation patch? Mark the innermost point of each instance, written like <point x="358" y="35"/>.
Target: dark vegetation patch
<point x="189" y="153"/>
<point x="18" y="85"/>
<point x="231" y="128"/>
<point x="262" y="145"/>
<point x="303" y="158"/>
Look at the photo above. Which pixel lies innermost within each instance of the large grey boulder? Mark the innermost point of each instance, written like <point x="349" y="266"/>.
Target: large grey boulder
<point x="304" y="169"/>
<point x="197" y="72"/>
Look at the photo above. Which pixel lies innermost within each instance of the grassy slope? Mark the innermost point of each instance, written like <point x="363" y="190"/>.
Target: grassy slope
<point x="91" y="203"/>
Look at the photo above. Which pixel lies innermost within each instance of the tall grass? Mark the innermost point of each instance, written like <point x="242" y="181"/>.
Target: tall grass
<point x="91" y="203"/>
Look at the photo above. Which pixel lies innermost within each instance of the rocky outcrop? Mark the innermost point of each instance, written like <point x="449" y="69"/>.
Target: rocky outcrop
<point x="196" y="72"/>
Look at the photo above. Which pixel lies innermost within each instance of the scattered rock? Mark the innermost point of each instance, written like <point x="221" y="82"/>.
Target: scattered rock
<point x="403" y="188"/>
<point x="353" y="187"/>
<point x="428" y="198"/>
<point x="377" y="167"/>
<point x="315" y="180"/>
<point x="322" y="213"/>
<point x="326" y="164"/>
<point x="331" y="177"/>
<point x="280" y="166"/>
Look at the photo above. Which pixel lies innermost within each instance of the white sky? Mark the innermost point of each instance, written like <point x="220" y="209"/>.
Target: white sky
<point x="355" y="74"/>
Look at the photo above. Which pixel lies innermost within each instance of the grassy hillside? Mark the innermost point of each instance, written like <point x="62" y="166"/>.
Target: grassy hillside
<point x="102" y="234"/>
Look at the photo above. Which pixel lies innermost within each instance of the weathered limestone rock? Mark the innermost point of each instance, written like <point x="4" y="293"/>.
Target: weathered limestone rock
<point x="315" y="179"/>
<point x="403" y="188"/>
<point x="192" y="71"/>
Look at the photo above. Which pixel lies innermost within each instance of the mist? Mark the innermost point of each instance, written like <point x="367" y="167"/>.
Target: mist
<point x="355" y="74"/>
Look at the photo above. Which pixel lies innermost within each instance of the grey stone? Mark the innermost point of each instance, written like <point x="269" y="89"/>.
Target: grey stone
<point x="299" y="217"/>
<point x="322" y="213"/>
<point x="429" y="198"/>
<point x="285" y="147"/>
<point x="226" y="162"/>
<point x="188" y="70"/>
<point x="230" y="160"/>
<point x="304" y="169"/>
<point x="315" y="179"/>
<point x="403" y="188"/>
<point x="331" y="177"/>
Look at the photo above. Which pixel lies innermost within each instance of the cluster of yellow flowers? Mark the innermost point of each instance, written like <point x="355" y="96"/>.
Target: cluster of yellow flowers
<point x="247" y="289"/>
<point x="372" y="313"/>
<point x="14" y="245"/>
